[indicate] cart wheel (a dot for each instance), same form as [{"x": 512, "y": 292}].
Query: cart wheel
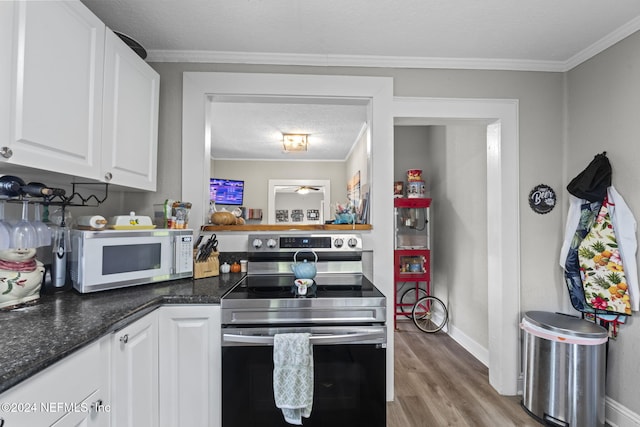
[
  {"x": 429, "y": 314},
  {"x": 409, "y": 298}
]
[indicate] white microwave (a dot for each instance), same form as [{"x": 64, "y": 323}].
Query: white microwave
[{"x": 111, "y": 259}]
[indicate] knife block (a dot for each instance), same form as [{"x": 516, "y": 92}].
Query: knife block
[{"x": 208, "y": 268}]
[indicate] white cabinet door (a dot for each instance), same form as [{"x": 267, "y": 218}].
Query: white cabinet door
[
  {"x": 130, "y": 120},
  {"x": 71, "y": 389},
  {"x": 190, "y": 366},
  {"x": 134, "y": 388},
  {"x": 58, "y": 59},
  {"x": 7, "y": 9}
]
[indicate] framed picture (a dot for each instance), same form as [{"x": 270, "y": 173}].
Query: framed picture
[
  {"x": 297, "y": 215},
  {"x": 353, "y": 188},
  {"x": 282, "y": 215}
]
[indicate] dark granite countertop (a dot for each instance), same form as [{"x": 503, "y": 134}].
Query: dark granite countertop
[{"x": 36, "y": 336}]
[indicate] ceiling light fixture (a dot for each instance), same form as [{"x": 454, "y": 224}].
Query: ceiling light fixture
[
  {"x": 302, "y": 190},
  {"x": 295, "y": 142}
]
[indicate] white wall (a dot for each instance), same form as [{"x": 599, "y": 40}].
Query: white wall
[{"x": 603, "y": 101}]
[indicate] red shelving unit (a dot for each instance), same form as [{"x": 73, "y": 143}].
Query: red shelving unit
[{"x": 412, "y": 253}]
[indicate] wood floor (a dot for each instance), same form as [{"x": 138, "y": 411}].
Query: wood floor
[{"x": 438, "y": 383}]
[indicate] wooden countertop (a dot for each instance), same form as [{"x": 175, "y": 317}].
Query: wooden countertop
[{"x": 288, "y": 227}]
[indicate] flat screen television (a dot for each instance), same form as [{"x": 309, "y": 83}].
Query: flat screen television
[{"x": 226, "y": 191}]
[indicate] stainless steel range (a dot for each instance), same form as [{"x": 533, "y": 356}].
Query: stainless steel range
[{"x": 342, "y": 310}]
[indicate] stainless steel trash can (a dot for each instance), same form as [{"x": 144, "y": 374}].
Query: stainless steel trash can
[{"x": 564, "y": 369}]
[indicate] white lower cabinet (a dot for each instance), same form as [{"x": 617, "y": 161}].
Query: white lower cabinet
[
  {"x": 85, "y": 416},
  {"x": 134, "y": 387},
  {"x": 72, "y": 392},
  {"x": 161, "y": 370},
  {"x": 190, "y": 366}
]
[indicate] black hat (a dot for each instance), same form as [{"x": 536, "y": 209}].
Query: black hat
[{"x": 591, "y": 184}]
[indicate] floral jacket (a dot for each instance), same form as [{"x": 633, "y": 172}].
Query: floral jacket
[{"x": 603, "y": 265}]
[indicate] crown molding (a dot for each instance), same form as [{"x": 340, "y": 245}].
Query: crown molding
[
  {"x": 199, "y": 56},
  {"x": 604, "y": 43},
  {"x": 318, "y": 60}
]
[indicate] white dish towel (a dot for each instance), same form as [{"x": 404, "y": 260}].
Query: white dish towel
[{"x": 293, "y": 376}]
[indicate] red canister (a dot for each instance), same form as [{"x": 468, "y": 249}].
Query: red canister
[{"x": 414, "y": 175}]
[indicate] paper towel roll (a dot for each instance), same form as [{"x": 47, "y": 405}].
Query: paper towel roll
[{"x": 92, "y": 221}]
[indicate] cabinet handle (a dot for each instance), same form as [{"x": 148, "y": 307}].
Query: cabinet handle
[
  {"x": 123, "y": 339},
  {"x": 5, "y": 152},
  {"x": 95, "y": 406},
  {"x": 108, "y": 176}
]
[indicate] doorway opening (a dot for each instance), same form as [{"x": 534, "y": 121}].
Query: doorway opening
[{"x": 503, "y": 265}]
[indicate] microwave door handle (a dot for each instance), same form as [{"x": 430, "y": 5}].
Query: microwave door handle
[
  {"x": 174, "y": 256},
  {"x": 313, "y": 339}
]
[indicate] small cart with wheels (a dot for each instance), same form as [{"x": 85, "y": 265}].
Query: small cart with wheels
[{"x": 412, "y": 264}]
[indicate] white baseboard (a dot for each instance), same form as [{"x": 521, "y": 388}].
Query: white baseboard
[
  {"x": 620, "y": 416},
  {"x": 479, "y": 352}
]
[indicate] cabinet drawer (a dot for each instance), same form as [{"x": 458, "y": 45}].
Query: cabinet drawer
[
  {"x": 84, "y": 415},
  {"x": 47, "y": 396}
]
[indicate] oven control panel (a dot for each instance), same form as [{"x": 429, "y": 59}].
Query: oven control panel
[{"x": 296, "y": 242}]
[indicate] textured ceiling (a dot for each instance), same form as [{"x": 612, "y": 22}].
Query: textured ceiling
[
  {"x": 540, "y": 35},
  {"x": 242, "y": 129},
  {"x": 549, "y": 34}
]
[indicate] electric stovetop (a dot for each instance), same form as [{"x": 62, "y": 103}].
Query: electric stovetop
[
  {"x": 332, "y": 298},
  {"x": 282, "y": 286}
]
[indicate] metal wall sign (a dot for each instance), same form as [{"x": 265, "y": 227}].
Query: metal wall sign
[{"x": 542, "y": 199}]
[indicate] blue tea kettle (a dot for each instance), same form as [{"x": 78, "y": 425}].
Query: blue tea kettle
[{"x": 304, "y": 269}]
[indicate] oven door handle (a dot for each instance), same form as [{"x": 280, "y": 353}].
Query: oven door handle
[{"x": 328, "y": 339}]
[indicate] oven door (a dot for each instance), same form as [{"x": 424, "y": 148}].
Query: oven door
[{"x": 349, "y": 376}]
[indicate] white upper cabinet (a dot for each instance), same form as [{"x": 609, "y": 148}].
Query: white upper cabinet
[
  {"x": 6, "y": 48},
  {"x": 58, "y": 57},
  {"x": 130, "y": 118},
  {"x": 75, "y": 99}
]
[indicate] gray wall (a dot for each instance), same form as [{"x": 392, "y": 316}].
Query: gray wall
[
  {"x": 454, "y": 163},
  {"x": 257, "y": 174},
  {"x": 541, "y": 120},
  {"x": 603, "y": 104},
  {"x": 459, "y": 184}
]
